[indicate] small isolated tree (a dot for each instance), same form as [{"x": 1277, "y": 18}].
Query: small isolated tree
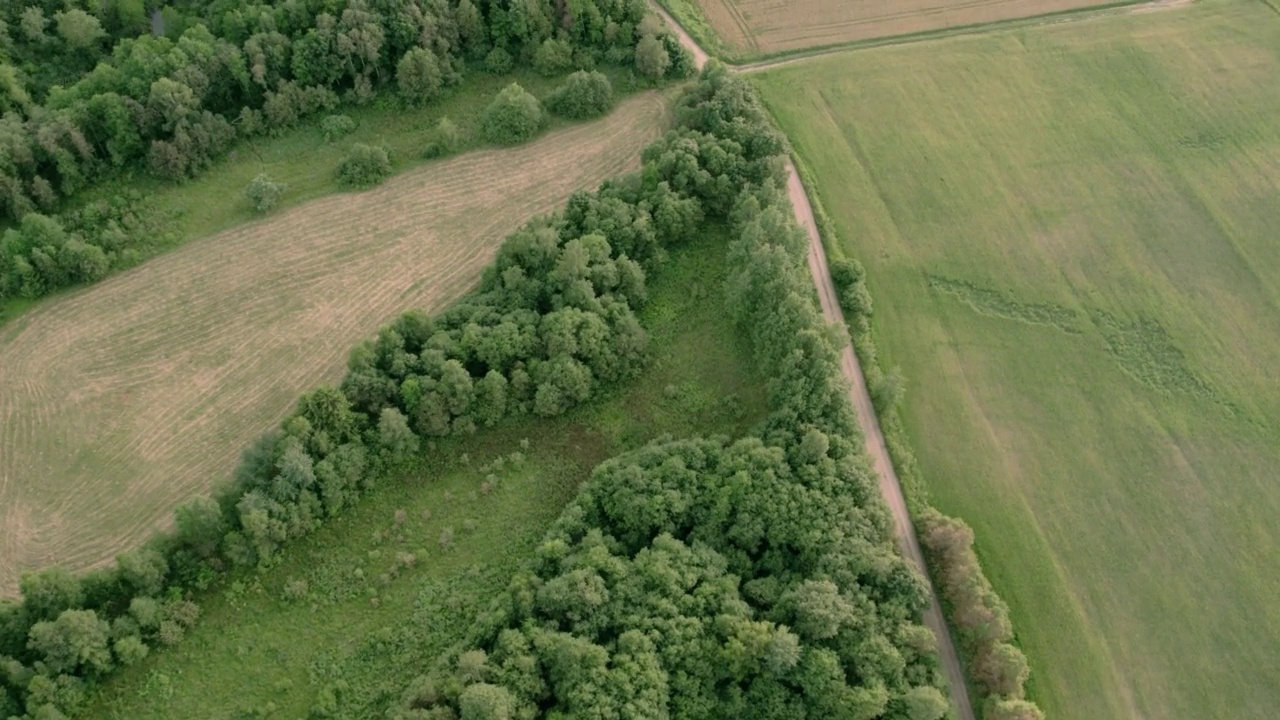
[
  {"x": 419, "y": 77},
  {"x": 444, "y": 139},
  {"x": 264, "y": 193},
  {"x": 334, "y": 127},
  {"x": 498, "y": 61},
  {"x": 513, "y": 117},
  {"x": 583, "y": 95},
  {"x": 364, "y": 166},
  {"x": 652, "y": 59},
  {"x": 553, "y": 57}
]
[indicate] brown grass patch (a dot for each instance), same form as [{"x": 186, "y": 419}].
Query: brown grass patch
[{"x": 121, "y": 401}]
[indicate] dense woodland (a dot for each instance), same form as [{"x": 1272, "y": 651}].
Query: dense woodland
[
  {"x": 92, "y": 90},
  {"x": 692, "y": 578}
]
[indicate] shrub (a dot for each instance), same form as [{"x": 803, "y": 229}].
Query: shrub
[
  {"x": 583, "y": 95},
  {"x": 444, "y": 140},
  {"x": 553, "y": 57},
  {"x": 364, "y": 166},
  {"x": 334, "y": 127},
  {"x": 513, "y": 117},
  {"x": 498, "y": 61},
  {"x": 264, "y": 193}
]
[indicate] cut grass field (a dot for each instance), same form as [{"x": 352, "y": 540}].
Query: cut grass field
[
  {"x": 747, "y": 29},
  {"x": 119, "y": 401},
  {"x": 1069, "y": 232},
  {"x": 699, "y": 381}
]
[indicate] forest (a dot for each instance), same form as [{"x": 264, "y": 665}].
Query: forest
[
  {"x": 95, "y": 93},
  {"x": 693, "y": 577}
]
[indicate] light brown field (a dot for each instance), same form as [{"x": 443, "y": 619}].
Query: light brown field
[
  {"x": 119, "y": 402},
  {"x": 757, "y": 27}
]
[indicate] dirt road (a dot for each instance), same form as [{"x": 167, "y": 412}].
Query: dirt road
[{"x": 890, "y": 488}]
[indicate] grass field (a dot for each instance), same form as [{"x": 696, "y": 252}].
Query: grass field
[
  {"x": 755, "y": 28},
  {"x": 1069, "y": 233},
  {"x": 699, "y": 382},
  {"x": 121, "y": 400}
]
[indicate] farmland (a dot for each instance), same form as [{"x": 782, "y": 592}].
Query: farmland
[
  {"x": 752, "y": 28},
  {"x": 699, "y": 380},
  {"x": 123, "y": 399},
  {"x": 1069, "y": 234}
]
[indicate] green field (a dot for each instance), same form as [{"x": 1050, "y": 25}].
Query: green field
[
  {"x": 699, "y": 381},
  {"x": 1069, "y": 232}
]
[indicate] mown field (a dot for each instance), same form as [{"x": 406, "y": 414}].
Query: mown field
[
  {"x": 121, "y": 400},
  {"x": 1069, "y": 232},
  {"x": 362, "y": 615},
  {"x": 754, "y": 28}
]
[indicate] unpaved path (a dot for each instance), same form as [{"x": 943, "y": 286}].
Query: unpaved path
[{"x": 890, "y": 488}]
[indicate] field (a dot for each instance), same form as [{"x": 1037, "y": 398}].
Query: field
[
  {"x": 754, "y": 28},
  {"x": 699, "y": 381},
  {"x": 1069, "y": 232},
  {"x": 121, "y": 400}
]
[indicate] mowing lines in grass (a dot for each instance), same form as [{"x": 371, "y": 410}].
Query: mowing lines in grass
[
  {"x": 122, "y": 400},
  {"x": 1069, "y": 232}
]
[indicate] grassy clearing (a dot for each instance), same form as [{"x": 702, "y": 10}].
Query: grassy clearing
[
  {"x": 699, "y": 382},
  {"x": 750, "y": 29},
  {"x": 302, "y": 159},
  {"x": 123, "y": 399},
  {"x": 1069, "y": 235}
]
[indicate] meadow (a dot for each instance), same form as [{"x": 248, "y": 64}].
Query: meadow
[
  {"x": 123, "y": 399},
  {"x": 748, "y": 29},
  {"x": 1069, "y": 235},
  {"x": 346, "y": 616}
]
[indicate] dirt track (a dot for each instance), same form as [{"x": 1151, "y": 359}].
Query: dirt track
[{"x": 890, "y": 488}]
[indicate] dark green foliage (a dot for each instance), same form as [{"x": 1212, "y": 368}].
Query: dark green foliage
[
  {"x": 513, "y": 117},
  {"x": 364, "y": 166},
  {"x": 553, "y": 57},
  {"x": 498, "y": 61},
  {"x": 419, "y": 77},
  {"x": 583, "y": 95}
]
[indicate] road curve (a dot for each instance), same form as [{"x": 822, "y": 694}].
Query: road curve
[{"x": 890, "y": 488}]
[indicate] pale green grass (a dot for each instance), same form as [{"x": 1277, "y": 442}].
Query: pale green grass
[{"x": 1070, "y": 234}]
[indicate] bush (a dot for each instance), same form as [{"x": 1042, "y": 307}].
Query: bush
[
  {"x": 444, "y": 140},
  {"x": 513, "y": 117},
  {"x": 498, "y": 62},
  {"x": 264, "y": 193},
  {"x": 418, "y": 76},
  {"x": 364, "y": 166},
  {"x": 553, "y": 57},
  {"x": 334, "y": 127},
  {"x": 583, "y": 95}
]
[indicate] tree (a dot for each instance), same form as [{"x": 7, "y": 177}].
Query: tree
[
  {"x": 1002, "y": 709},
  {"x": 397, "y": 440},
  {"x": 652, "y": 59},
  {"x": 925, "y": 703},
  {"x": 130, "y": 650},
  {"x": 487, "y": 702},
  {"x": 264, "y": 193},
  {"x": 79, "y": 29},
  {"x": 334, "y": 127},
  {"x": 553, "y": 57},
  {"x": 1002, "y": 670},
  {"x": 418, "y": 76},
  {"x": 888, "y": 390},
  {"x": 77, "y": 639},
  {"x": 364, "y": 166},
  {"x": 513, "y": 117},
  {"x": 444, "y": 139},
  {"x": 145, "y": 570},
  {"x": 46, "y": 594},
  {"x": 583, "y": 95},
  {"x": 32, "y": 24},
  {"x": 200, "y": 525},
  {"x": 498, "y": 61}
]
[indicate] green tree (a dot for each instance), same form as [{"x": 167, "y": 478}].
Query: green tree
[
  {"x": 334, "y": 127},
  {"x": 78, "y": 29},
  {"x": 498, "y": 61},
  {"x": 145, "y": 570},
  {"x": 32, "y": 24},
  {"x": 130, "y": 650},
  {"x": 652, "y": 59},
  {"x": 419, "y": 77},
  {"x": 553, "y": 57},
  {"x": 264, "y": 193},
  {"x": 47, "y": 593},
  {"x": 583, "y": 95},
  {"x": 925, "y": 703},
  {"x": 364, "y": 166},
  {"x": 397, "y": 440},
  {"x": 444, "y": 139},
  {"x": 77, "y": 639},
  {"x": 200, "y": 525},
  {"x": 1004, "y": 709},
  {"x": 513, "y": 117},
  {"x": 487, "y": 702}
]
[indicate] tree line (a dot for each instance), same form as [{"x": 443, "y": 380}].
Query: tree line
[
  {"x": 712, "y": 578},
  {"x": 84, "y": 97}
]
